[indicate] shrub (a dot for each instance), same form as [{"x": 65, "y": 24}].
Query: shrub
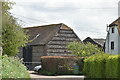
[
  {"x": 102, "y": 66},
  {"x": 112, "y": 66},
  {"x": 94, "y": 66},
  {"x": 82, "y": 50},
  {"x": 59, "y": 64},
  {"x": 12, "y": 68}
]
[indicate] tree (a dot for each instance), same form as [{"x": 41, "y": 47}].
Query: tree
[
  {"x": 0, "y": 28},
  {"x": 81, "y": 49},
  {"x": 13, "y": 36}
]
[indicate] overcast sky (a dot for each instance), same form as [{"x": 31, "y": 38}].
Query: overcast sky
[{"x": 88, "y": 18}]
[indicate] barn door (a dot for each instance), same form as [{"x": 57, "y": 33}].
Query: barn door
[{"x": 27, "y": 54}]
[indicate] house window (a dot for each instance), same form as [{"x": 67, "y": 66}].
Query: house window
[
  {"x": 112, "y": 45},
  {"x": 112, "y": 30}
]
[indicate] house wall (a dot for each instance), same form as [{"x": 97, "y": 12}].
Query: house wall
[
  {"x": 58, "y": 45},
  {"x": 112, "y": 37},
  {"x": 37, "y": 52},
  {"x": 119, "y": 45},
  {"x": 107, "y": 44}
]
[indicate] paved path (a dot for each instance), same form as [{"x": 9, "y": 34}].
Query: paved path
[{"x": 35, "y": 76}]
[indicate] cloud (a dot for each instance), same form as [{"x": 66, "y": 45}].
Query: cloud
[{"x": 86, "y": 17}]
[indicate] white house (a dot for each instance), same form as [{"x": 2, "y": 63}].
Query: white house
[{"x": 112, "y": 43}]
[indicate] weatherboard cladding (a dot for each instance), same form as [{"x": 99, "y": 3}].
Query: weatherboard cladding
[
  {"x": 53, "y": 38},
  {"x": 57, "y": 46}
]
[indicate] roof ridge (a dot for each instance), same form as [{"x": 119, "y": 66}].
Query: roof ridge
[
  {"x": 98, "y": 38},
  {"x": 44, "y": 25},
  {"x": 115, "y": 21},
  {"x": 94, "y": 40},
  {"x": 97, "y": 42}
]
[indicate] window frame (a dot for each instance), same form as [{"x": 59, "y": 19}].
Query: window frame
[
  {"x": 112, "y": 30},
  {"x": 112, "y": 45}
]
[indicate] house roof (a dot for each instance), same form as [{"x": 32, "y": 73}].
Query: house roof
[
  {"x": 116, "y": 23},
  {"x": 99, "y": 41},
  {"x": 40, "y": 35}
]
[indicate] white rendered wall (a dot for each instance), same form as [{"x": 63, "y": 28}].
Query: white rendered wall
[
  {"x": 112, "y": 37},
  {"x": 119, "y": 45}
]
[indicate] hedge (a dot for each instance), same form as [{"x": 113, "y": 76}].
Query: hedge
[
  {"x": 12, "y": 68},
  {"x": 112, "y": 66},
  {"x": 102, "y": 66},
  {"x": 94, "y": 66},
  {"x": 57, "y": 65}
]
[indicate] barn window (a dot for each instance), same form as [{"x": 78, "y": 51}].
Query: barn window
[
  {"x": 112, "y": 45},
  {"x": 112, "y": 30}
]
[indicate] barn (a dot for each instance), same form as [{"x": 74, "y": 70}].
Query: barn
[
  {"x": 47, "y": 40},
  {"x": 98, "y": 41}
]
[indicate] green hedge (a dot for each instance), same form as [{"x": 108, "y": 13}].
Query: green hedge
[
  {"x": 112, "y": 66},
  {"x": 12, "y": 68},
  {"x": 94, "y": 66},
  {"x": 102, "y": 66}
]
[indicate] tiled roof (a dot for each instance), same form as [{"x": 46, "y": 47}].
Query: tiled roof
[
  {"x": 40, "y": 35},
  {"x": 98, "y": 41},
  {"x": 116, "y": 23}
]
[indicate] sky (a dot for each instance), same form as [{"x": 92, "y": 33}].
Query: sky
[{"x": 88, "y": 18}]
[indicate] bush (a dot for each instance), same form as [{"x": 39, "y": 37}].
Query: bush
[
  {"x": 94, "y": 66},
  {"x": 59, "y": 64},
  {"x": 82, "y": 50},
  {"x": 112, "y": 66},
  {"x": 12, "y": 68},
  {"x": 102, "y": 66}
]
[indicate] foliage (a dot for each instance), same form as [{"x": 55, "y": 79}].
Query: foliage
[
  {"x": 94, "y": 65},
  {"x": 81, "y": 49},
  {"x": 12, "y": 68},
  {"x": 13, "y": 36},
  {"x": 0, "y": 67},
  {"x": 112, "y": 66},
  {"x": 102, "y": 66},
  {"x": 59, "y": 64}
]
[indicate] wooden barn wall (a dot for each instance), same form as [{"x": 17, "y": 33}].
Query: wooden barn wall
[
  {"x": 57, "y": 46},
  {"x": 37, "y": 52}
]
